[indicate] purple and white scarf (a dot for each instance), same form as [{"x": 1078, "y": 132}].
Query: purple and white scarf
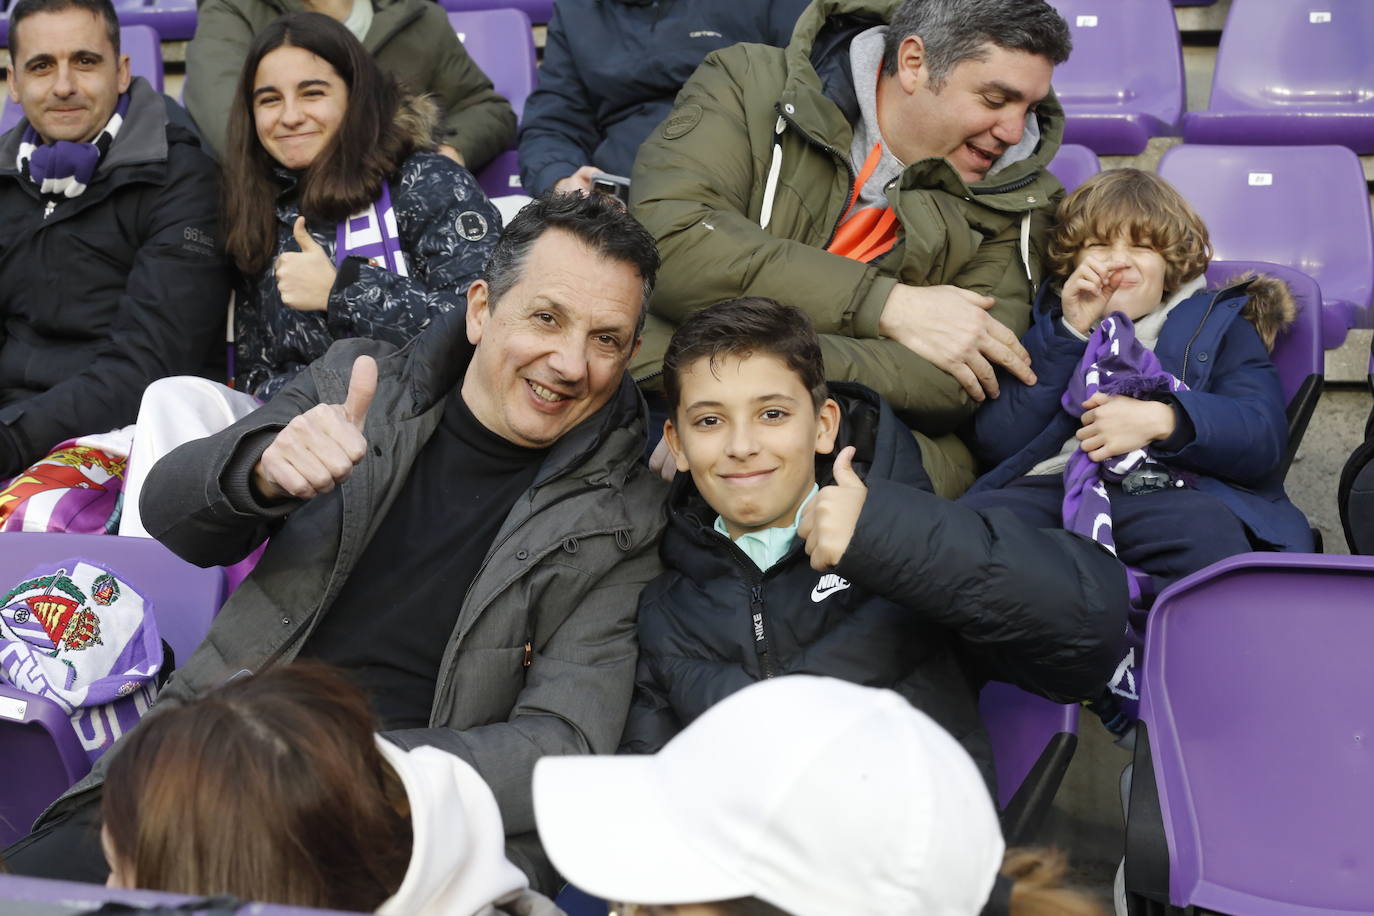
[
  {"x": 1115, "y": 362},
  {"x": 372, "y": 235},
  {"x": 64, "y": 169},
  {"x": 78, "y": 634}
]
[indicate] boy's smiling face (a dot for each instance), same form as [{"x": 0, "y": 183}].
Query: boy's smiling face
[{"x": 746, "y": 430}]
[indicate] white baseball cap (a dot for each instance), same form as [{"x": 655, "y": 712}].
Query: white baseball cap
[{"x": 813, "y": 794}]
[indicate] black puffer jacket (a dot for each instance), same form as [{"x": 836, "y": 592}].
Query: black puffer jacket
[
  {"x": 114, "y": 289},
  {"x": 931, "y": 599},
  {"x": 447, "y": 228}
]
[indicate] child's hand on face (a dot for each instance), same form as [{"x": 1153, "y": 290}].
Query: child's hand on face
[
  {"x": 1089, "y": 289},
  {"x": 1115, "y": 425},
  {"x": 827, "y": 524}
]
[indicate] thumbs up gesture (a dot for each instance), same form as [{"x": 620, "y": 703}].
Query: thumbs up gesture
[
  {"x": 305, "y": 278},
  {"x": 318, "y": 449},
  {"x": 827, "y": 524}
]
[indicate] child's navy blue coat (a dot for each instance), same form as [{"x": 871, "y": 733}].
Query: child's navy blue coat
[{"x": 1232, "y": 429}]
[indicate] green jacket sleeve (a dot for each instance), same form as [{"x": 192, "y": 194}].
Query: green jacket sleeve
[
  {"x": 695, "y": 193},
  {"x": 478, "y": 122},
  {"x": 213, "y": 62}
]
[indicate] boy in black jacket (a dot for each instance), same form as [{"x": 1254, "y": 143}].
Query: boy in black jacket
[{"x": 781, "y": 560}]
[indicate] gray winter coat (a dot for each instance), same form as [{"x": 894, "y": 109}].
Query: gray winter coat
[{"x": 564, "y": 573}]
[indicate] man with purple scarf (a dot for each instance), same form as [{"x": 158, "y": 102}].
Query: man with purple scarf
[{"x": 111, "y": 271}]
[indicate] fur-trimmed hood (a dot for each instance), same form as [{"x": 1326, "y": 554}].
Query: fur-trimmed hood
[
  {"x": 418, "y": 116},
  {"x": 1271, "y": 308}
]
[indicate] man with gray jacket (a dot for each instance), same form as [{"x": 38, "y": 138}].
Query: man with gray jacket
[{"x": 463, "y": 525}]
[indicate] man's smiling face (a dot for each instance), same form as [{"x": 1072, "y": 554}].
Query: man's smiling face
[
  {"x": 66, "y": 73},
  {"x": 972, "y": 118},
  {"x": 553, "y": 350}
]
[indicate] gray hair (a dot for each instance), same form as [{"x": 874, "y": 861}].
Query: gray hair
[
  {"x": 599, "y": 221},
  {"x": 954, "y": 31}
]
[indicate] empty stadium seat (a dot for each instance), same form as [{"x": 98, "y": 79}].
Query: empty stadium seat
[
  {"x": 1292, "y": 72},
  {"x": 1254, "y": 777},
  {"x": 538, "y": 11},
  {"x": 1298, "y": 351},
  {"x": 1123, "y": 84},
  {"x": 140, "y": 42},
  {"x": 1033, "y": 740},
  {"x": 144, "y": 47},
  {"x": 1074, "y": 164},
  {"x": 42, "y": 755},
  {"x": 500, "y": 42},
  {"x": 1306, "y": 207},
  {"x": 174, "y": 20}
]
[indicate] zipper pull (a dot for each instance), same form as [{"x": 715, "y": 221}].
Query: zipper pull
[
  {"x": 529, "y": 655},
  {"x": 760, "y": 631},
  {"x": 48, "y": 208}
]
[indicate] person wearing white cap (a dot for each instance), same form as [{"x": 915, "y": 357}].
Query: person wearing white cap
[{"x": 798, "y": 795}]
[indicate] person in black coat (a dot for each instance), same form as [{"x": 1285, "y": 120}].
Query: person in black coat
[
  {"x": 781, "y": 560},
  {"x": 112, "y": 273}
]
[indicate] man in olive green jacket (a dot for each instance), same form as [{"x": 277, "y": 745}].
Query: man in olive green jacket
[
  {"x": 410, "y": 39},
  {"x": 946, "y": 118}
]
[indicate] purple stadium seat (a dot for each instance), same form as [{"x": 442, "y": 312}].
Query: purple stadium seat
[
  {"x": 1292, "y": 72},
  {"x": 1123, "y": 84},
  {"x": 1298, "y": 351},
  {"x": 38, "y": 743},
  {"x": 500, "y": 42},
  {"x": 1253, "y": 776},
  {"x": 538, "y": 11},
  {"x": 1306, "y": 207},
  {"x": 1033, "y": 740},
  {"x": 174, "y": 20},
  {"x": 68, "y": 898},
  {"x": 144, "y": 48},
  {"x": 1074, "y": 164}
]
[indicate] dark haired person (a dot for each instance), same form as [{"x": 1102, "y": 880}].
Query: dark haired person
[
  {"x": 111, "y": 269},
  {"x": 477, "y": 572},
  {"x": 803, "y": 538},
  {"x": 338, "y": 818},
  {"x": 885, "y": 173},
  {"x": 410, "y": 39},
  {"x": 341, "y": 219},
  {"x": 393, "y": 232}
]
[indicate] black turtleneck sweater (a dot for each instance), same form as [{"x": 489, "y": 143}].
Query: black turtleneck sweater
[{"x": 393, "y": 619}]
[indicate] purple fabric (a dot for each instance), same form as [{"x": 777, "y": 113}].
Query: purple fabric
[
  {"x": 372, "y": 235},
  {"x": 1114, "y": 362},
  {"x": 55, "y": 166}
]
